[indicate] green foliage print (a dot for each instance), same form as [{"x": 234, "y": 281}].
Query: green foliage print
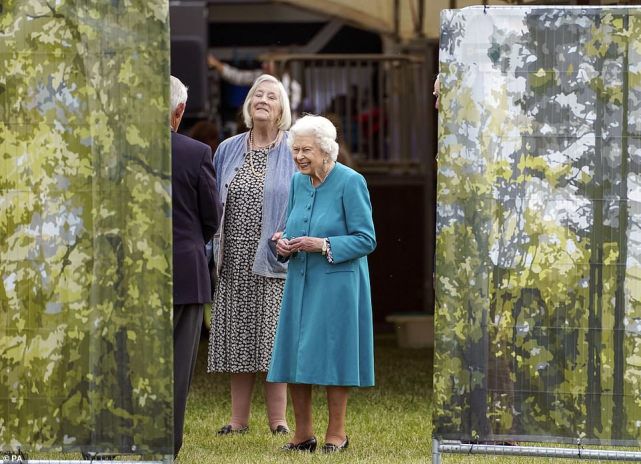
[
  {"x": 85, "y": 226},
  {"x": 539, "y": 225}
]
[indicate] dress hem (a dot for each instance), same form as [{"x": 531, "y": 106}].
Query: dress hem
[
  {"x": 321, "y": 383},
  {"x": 229, "y": 371}
]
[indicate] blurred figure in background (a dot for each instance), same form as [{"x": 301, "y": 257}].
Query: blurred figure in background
[
  {"x": 207, "y": 133},
  {"x": 344, "y": 155},
  {"x": 247, "y": 77}
]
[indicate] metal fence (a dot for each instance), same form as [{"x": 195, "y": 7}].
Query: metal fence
[
  {"x": 166, "y": 460},
  {"x": 378, "y": 103},
  {"x": 438, "y": 448}
]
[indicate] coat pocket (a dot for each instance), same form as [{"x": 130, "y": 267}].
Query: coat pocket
[{"x": 347, "y": 266}]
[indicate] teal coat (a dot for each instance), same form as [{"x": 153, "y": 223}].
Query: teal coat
[{"x": 325, "y": 334}]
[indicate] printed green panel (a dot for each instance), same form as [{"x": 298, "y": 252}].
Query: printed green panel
[
  {"x": 538, "y": 320},
  {"x": 85, "y": 226}
]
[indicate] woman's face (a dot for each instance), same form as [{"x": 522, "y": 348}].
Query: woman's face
[
  {"x": 307, "y": 155},
  {"x": 265, "y": 103}
]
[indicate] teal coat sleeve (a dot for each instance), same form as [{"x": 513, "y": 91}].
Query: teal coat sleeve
[{"x": 360, "y": 239}]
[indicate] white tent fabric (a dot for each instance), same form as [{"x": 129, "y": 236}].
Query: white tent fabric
[{"x": 378, "y": 15}]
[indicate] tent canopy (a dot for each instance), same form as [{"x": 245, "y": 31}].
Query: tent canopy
[{"x": 380, "y": 15}]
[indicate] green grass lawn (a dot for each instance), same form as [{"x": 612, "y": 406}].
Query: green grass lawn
[{"x": 389, "y": 423}]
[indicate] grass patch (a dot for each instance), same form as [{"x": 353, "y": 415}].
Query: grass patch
[{"x": 389, "y": 423}]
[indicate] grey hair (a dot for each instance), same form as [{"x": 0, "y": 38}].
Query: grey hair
[
  {"x": 177, "y": 93},
  {"x": 321, "y": 128},
  {"x": 285, "y": 119}
]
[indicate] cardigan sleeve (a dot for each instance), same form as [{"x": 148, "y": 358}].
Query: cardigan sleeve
[
  {"x": 208, "y": 198},
  {"x": 361, "y": 238},
  {"x": 290, "y": 203},
  {"x": 218, "y": 160}
]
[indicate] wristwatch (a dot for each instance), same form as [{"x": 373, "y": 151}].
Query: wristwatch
[{"x": 324, "y": 248}]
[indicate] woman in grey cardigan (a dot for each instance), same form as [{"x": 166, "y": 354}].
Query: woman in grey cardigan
[{"x": 254, "y": 172}]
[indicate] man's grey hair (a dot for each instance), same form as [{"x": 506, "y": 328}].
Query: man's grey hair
[
  {"x": 285, "y": 119},
  {"x": 177, "y": 93},
  {"x": 321, "y": 128}
]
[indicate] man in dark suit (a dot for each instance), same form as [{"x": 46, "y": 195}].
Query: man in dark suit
[{"x": 196, "y": 212}]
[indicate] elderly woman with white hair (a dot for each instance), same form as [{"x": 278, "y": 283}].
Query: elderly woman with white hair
[
  {"x": 254, "y": 172},
  {"x": 325, "y": 334}
]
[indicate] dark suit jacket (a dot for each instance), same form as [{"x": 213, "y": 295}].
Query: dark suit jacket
[{"x": 196, "y": 215}]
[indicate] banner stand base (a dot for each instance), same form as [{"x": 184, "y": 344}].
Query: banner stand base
[
  {"x": 456, "y": 447},
  {"x": 168, "y": 459}
]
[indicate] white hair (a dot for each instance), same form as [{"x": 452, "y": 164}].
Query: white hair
[
  {"x": 177, "y": 93},
  {"x": 321, "y": 128},
  {"x": 285, "y": 119}
]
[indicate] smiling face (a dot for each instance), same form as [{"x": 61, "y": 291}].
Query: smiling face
[
  {"x": 265, "y": 103},
  {"x": 308, "y": 156}
]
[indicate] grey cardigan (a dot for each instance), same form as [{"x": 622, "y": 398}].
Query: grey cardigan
[{"x": 229, "y": 157}]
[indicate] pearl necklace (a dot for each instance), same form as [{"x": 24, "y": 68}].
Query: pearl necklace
[
  {"x": 269, "y": 145},
  {"x": 253, "y": 148}
]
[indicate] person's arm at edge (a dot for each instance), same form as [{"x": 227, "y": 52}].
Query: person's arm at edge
[
  {"x": 233, "y": 75},
  {"x": 240, "y": 76}
]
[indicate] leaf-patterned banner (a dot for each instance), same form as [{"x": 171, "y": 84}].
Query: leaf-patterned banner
[
  {"x": 538, "y": 268},
  {"x": 85, "y": 226}
]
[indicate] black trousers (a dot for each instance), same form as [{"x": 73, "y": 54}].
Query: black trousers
[{"x": 188, "y": 320}]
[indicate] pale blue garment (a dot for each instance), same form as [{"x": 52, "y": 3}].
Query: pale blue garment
[
  {"x": 228, "y": 159},
  {"x": 325, "y": 333}
]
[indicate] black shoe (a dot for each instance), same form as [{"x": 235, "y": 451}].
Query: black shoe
[
  {"x": 226, "y": 430},
  {"x": 307, "y": 445},
  {"x": 332, "y": 448},
  {"x": 280, "y": 430}
]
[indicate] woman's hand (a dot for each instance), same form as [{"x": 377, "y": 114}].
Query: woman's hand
[
  {"x": 283, "y": 247},
  {"x": 308, "y": 244}
]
